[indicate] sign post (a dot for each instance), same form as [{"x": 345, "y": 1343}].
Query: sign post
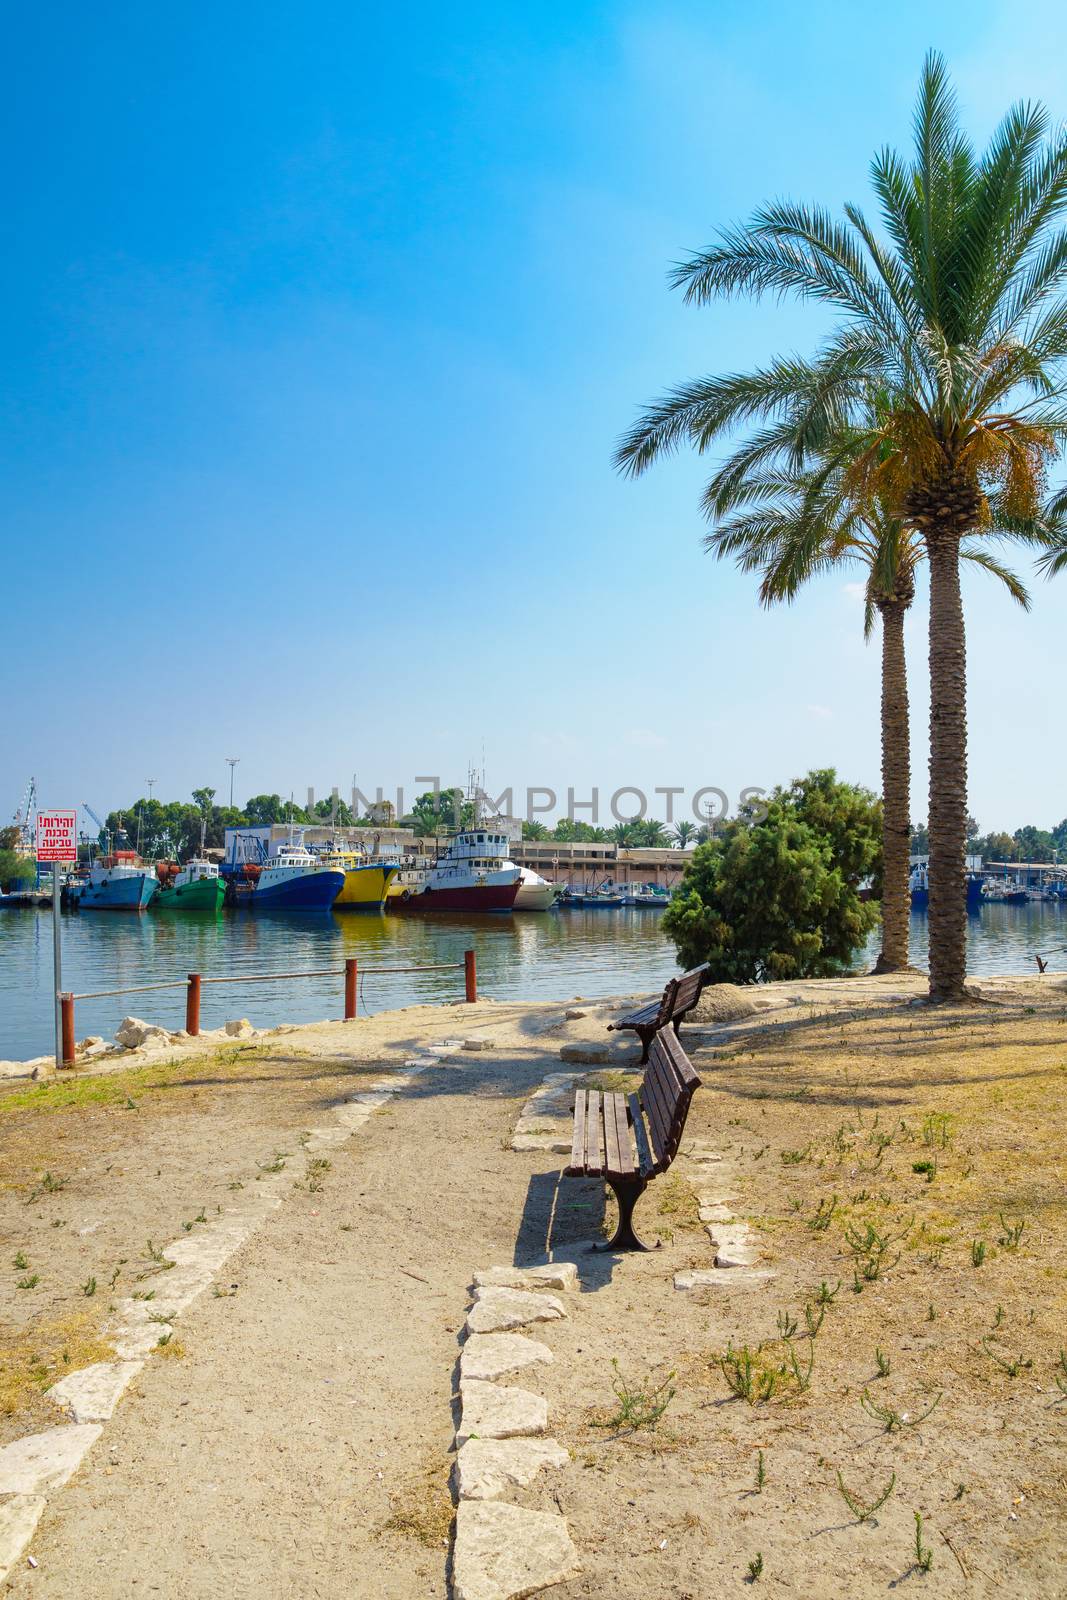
[{"x": 57, "y": 844}]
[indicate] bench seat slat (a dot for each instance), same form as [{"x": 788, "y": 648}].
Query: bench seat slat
[
  {"x": 625, "y": 1160},
  {"x": 594, "y": 1159},
  {"x": 612, "y": 1157},
  {"x": 578, "y": 1141}
]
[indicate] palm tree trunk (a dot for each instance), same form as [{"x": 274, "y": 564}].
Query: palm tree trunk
[
  {"x": 896, "y": 791},
  {"x": 948, "y": 767}
]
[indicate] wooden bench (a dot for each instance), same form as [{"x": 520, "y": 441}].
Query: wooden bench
[
  {"x": 676, "y": 1002},
  {"x": 630, "y": 1139}
]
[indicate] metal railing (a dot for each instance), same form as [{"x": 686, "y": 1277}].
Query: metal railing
[{"x": 193, "y": 983}]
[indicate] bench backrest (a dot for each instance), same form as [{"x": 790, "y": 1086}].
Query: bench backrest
[
  {"x": 666, "y": 1005},
  {"x": 666, "y": 1091},
  {"x": 688, "y": 987}
]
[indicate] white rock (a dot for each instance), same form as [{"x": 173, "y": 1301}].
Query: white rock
[
  {"x": 716, "y": 1213},
  {"x": 553, "y": 1143},
  {"x": 240, "y": 1028},
  {"x": 87, "y": 1043},
  {"x": 133, "y": 1033},
  {"x": 548, "y": 1275},
  {"x": 490, "y": 1355},
  {"x": 92, "y": 1393},
  {"x": 736, "y": 1278},
  {"x": 574, "y": 1014},
  {"x": 485, "y": 1468},
  {"x": 499, "y": 1411},
  {"x": 19, "y": 1517},
  {"x": 44, "y": 1461},
  {"x": 497, "y": 1310},
  {"x": 504, "y": 1552},
  {"x": 592, "y": 1055},
  {"x": 478, "y": 1044}
]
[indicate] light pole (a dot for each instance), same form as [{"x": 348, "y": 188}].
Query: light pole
[
  {"x": 151, "y": 782},
  {"x": 231, "y": 762}
]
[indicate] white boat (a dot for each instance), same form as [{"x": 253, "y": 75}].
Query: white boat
[
  {"x": 472, "y": 874},
  {"x": 535, "y": 893}
]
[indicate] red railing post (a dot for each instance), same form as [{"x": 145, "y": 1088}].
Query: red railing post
[
  {"x": 351, "y": 974},
  {"x": 470, "y": 975},
  {"x": 66, "y": 1004},
  {"x": 192, "y": 1005}
]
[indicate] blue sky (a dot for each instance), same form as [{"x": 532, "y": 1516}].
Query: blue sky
[{"x": 320, "y": 324}]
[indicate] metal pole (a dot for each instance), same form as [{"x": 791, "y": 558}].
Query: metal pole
[
  {"x": 67, "y": 1003},
  {"x": 192, "y": 1005},
  {"x": 470, "y": 976},
  {"x": 351, "y": 978},
  {"x": 57, "y": 962}
]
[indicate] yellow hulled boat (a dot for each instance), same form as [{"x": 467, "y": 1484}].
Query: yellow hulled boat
[{"x": 366, "y": 882}]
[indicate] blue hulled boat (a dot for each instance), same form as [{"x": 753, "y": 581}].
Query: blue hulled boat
[
  {"x": 294, "y": 880},
  {"x": 920, "y": 890},
  {"x": 119, "y": 882}
]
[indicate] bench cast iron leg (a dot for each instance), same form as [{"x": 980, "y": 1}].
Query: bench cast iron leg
[
  {"x": 627, "y": 1195},
  {"x": 646, "y": 1036}
]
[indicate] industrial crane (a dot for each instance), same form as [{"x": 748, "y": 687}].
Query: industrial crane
[
  {"x": 26, "y": 818},
  {"x": 102, "y": 836}
]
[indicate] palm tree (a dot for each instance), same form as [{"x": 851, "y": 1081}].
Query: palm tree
[
  {"x": 793, "y": 525},
  {"x": 652, "y": 833},
  {"x": 682, "y": 832},
  {"x": 955, "y": 316}
]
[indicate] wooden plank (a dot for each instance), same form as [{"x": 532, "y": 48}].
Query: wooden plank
[
  {"x": 680, "y": 1062},
  {"x": 578, "y": 1142},
  {"x": 646, "y": 1165},
  {"x": 611, "y": 1137},
  {"x": 658, "y": 1122},
  {"x": 594, "y": 1159},
  {"x": 637, "y": 1019},
  {"x": 622, "y": 1136},
  {"x": 665, "y": 1010}
]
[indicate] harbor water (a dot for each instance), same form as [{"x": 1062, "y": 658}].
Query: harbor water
[{"x": 553, "y": 955}]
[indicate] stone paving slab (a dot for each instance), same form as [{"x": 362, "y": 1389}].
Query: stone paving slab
[
  {"x": 724, "y": 1278},
  {"x": 499, "y": 1411},
  {"x": 19, "y": 1516},
  {"x": 498, "y": 1310},
  {"x": 561, "y": 1275},
  {"x": 485, "y": 1468},
  {"x": 491, "y": 1355},
  {"x": 503, "y": 1552},
  {"x": 44, "y": 1461},
  {"x": 92, "y": 1393}
]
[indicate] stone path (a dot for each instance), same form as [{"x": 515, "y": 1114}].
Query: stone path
[
  {"x": 505, "y": 1551},
  {"x": 713, "y": 1176},
  {"x": 272, "y": 1456}
]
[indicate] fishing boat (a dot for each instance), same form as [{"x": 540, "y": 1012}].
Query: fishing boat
[
  {"x": 920, "y": 890},
  {"x": 472, "y": 874},
  {"x": 366, "y": 882},
  {"x": 196, "y": 886},
  {"x": 294, "y": 880},
  {"x": 535, "y": 893},
  {"x": 117, "y": 882}
]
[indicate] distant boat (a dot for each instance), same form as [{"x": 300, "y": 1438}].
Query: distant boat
[
  {"x": 367, "y": 882},
  {"x": 293, "y": 880},
  {"x": 535, "y": 893},
  {"x": 920, "y": 890},
  {"x": 118, "y": 882},
  {"x": 196, "y": 886},
  {"x": 472, "y": 874}
]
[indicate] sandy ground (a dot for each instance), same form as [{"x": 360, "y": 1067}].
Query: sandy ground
[{"x": 298, "y": 1439}]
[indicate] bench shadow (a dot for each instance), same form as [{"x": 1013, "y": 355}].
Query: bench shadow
[{"x": 561, "y": 1217}]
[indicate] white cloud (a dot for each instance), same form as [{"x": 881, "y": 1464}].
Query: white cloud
[
  {"x": 822, "y": 712},
  {"x": 854, "y": 591}
]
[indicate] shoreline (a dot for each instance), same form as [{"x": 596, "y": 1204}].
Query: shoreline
[{"x": 97, "y": 1055}]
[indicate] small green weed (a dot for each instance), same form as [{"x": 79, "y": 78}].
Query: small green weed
[
  {"x": 862, "y": 1512},
  {"x": 924, "y": 1556},
  {"x": 642, "y": 1404}
]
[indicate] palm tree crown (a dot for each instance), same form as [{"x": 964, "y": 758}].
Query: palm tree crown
[{"x": 937, "y": 398}]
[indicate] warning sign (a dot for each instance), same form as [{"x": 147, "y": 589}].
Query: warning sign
[{"x": 56, "y": 836}]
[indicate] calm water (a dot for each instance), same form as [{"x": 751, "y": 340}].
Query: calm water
[{"x": 551, "y": 956}]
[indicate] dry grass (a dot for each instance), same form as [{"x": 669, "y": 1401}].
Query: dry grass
[
  {"x": 421, "y": 1506},
  {"x": 33, "y": 1359}
]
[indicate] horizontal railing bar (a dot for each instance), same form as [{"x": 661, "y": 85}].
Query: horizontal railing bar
[
  {"x": 266, "y": 977},
  {"x": 141, "y": 988}
]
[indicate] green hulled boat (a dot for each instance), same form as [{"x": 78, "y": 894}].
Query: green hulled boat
[{"x": 197, "y": 887}]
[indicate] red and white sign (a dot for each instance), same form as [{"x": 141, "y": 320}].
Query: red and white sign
[{"x": 57, "y": 836}]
